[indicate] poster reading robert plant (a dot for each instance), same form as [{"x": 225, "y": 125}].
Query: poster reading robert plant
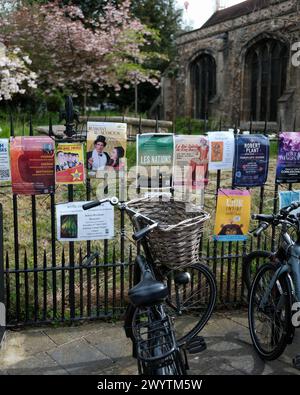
[
  {"x": 251, "y": 160},
  {"x": 288, "y": 163}
]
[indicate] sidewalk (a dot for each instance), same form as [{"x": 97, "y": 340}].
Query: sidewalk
[{"x": 102, "y": 348}]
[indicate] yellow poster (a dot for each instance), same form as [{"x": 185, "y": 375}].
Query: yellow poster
[{"x": 233, "y": 215}]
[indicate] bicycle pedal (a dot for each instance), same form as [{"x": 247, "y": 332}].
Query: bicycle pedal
[
  {"x": 196, "y": 345},
  {"x": 296, "y": 362},
  {"x": 197, "y": 339}
]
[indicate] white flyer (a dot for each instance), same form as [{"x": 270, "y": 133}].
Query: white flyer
[
  {"x": 4, "y": 160},
  {"x": 74, "y": 223},
  {"x": 221, "y": 150}
]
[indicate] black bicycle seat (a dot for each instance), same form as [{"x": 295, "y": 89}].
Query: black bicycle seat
[{"x": 148, "y": 291}]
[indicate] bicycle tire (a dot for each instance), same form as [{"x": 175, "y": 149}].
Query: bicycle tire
[
  {"x": 282, "y": 316},
  {"x": 176, "y": 367},
  {"x": 204, "y": 276},
  {"x": 251, "y": 264},
  {"x": 157, "y": 351}
]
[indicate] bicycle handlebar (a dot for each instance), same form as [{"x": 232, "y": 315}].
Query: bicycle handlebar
[
  {"x": 262, "y": 226},
  {"x": 143, "y": 232},
  {"x": 95, "y": 203},
  {"x": 286, "y": 210},
  {"x": 267, "y": 220},
  {"x": 263, "y": 217}
]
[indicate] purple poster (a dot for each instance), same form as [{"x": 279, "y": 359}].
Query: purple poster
[
  {"x": 288, "y": 163},
  {"x": 251, "y": 160}
]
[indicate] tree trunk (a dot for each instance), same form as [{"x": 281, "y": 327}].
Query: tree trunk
[{"x": 84, "y": 102}]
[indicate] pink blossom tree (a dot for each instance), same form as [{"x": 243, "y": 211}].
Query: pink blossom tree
[
  {"x": 72, "y": 53},
  {"x": 15, "y": 75}
]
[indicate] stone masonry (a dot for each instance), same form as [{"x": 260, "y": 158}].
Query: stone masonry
[{"x": 227, "y": 37}]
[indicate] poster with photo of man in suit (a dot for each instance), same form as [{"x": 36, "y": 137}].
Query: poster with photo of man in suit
[{"x": 106, "y": 147}]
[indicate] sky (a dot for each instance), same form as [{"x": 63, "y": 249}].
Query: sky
[{"x": 200, "y": 10}]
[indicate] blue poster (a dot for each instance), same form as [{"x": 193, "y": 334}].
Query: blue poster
[
  {"x": 251, "y": 161},
  {"x": 286, "y": 198}
]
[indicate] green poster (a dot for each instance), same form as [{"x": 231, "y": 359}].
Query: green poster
[{"x": 155, "y": 158}]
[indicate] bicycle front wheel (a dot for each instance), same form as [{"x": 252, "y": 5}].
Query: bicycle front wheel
[
  {"x": 269, "y": 313},
  {"x": 192, "y": 298},
  {"x": 251, "y": 264}
]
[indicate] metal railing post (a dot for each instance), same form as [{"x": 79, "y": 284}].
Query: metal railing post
[{"x": 2, "y": 282}]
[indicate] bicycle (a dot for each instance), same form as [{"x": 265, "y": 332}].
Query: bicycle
[
  {"x": 255, "y": 259},
  {"x": 276, "y": 287},
  {"x": 160, "y": 302}
]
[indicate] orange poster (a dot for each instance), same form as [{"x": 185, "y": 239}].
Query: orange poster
[{"x": 217, "y": 148}]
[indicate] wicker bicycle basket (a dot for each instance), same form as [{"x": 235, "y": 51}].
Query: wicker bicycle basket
[{"x": 175, "y": 242}]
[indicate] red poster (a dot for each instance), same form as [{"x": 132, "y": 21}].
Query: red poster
[{"x": 32, "y": 165}]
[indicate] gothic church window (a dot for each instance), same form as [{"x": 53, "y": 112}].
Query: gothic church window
[
  {"x": 203, "y": 82},
  {"x": 266, "y": 66}
]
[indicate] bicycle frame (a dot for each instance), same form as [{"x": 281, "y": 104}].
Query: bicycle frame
[{"x": 291, "y": 268}]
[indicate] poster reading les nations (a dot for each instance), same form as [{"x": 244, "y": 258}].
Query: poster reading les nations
[
  {"x": 32, "y": 165},
  {"x": 155, "y": 159}
]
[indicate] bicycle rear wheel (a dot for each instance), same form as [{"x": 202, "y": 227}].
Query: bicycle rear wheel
[
  {"x": 269, "y": 321},
  {"x": 157, "y": 350},
  {"x": 192, "y": 298}
]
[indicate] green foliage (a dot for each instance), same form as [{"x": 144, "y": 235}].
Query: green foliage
[
  {"x": 194, "y": 126},
  {"x": 162, "y": 16},
  {"x": 131, "y": 155},
  {"x": 54, "y": 102}
]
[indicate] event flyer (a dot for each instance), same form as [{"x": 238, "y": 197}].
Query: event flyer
[
  {"x": 73, "y": 223},
  {"x": 106, "y": 147},
  {"x": 191, "y": 162},
  {"x": 4, "y": 160},
  {"x": 155, "y": 157},
  {"x": 69, "y": 163},
  {"x": 233, "y": 215},
  {"x": 288, "y": 163},
  {"x": 32, "y": 165},
  {"x": 221, "y": 150},
  {"x": 251, "y": 160},
  {"x": 286, "y": 198}
]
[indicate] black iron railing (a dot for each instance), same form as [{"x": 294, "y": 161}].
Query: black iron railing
[{"x": 43, "y": 280}]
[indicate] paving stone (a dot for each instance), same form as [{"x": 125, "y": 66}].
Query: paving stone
[
  {"x": 112, "y": 342},
  {"x": 30, "y": 342},
  {"x": 21, "y": 345},
  {"x": 39, "y": 364},
  {"x": 221, "y": 369},
  {"x": 225, "y": 346},
  {"x": 102, "y": 348},
  {"x": 67, "y": 334},
  {"x": 117, "y": 369},
  {"x": 80, "y": 357}
]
